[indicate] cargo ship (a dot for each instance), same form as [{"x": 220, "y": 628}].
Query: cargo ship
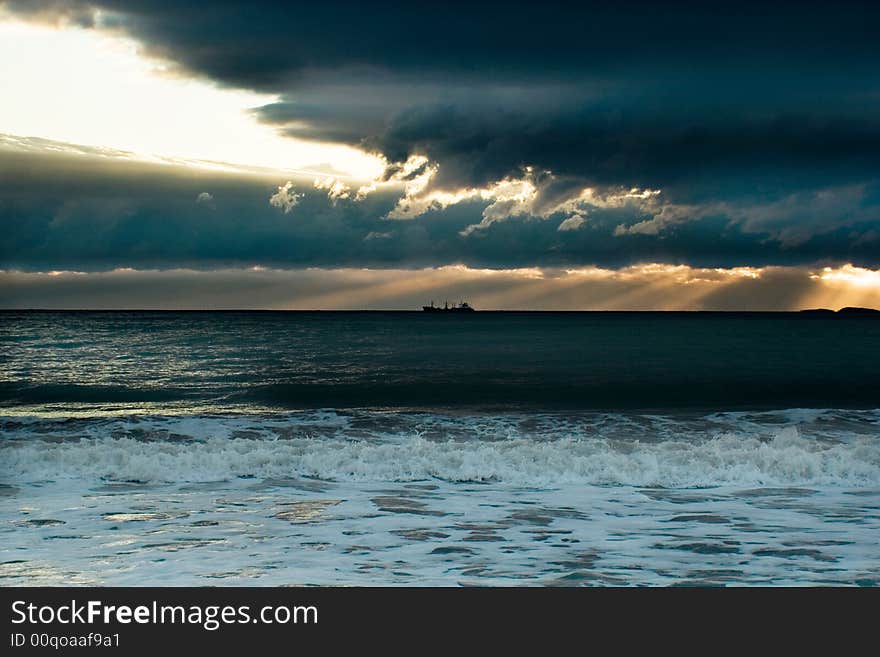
[{"x": 463, "y": 307}]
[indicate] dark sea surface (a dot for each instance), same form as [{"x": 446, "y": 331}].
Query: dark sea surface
[
  {"x": 407, "y": 448},
  {"x": 295, "y": 360}
]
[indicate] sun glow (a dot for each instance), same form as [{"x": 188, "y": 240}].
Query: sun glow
[
  {"x": 94, "y": 88},
  {"x": 850, "y": 275},
  {"x": 648, "y": 286}
]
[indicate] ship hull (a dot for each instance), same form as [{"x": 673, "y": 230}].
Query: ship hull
[{"x": 432, "y": 309}]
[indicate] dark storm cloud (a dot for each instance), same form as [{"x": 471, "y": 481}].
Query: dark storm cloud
[
  {"x": 696, "y": 157},
  {"x": 95, "y": 212},
  {"x": 266, "y": 44},
  {"x": 760, "y": 123},
  {"x": 59, "y": 12}
]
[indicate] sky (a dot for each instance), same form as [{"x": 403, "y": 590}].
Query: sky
[{"x": 625, "y": 156}]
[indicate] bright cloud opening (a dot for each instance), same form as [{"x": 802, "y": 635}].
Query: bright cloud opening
[
  {"x": 850, "y": 275},
  {"x": 93, "y": 88}
]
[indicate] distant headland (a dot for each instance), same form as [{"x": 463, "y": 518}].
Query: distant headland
[{"x": 849, "y": 310}]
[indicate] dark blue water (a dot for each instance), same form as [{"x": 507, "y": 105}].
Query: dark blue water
[
  {"x": 268, "y": 448},
  {"x": 292, "y": 360}
]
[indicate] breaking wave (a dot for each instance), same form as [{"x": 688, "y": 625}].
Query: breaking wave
[{"x": 330, "y": 448}]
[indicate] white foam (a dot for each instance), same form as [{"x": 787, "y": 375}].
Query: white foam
[
  {"x": 785, "y": 459},
  {"x": 787, "y": 497}
]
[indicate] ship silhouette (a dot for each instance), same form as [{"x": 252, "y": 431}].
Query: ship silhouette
[{"x": 463, "y": 307}]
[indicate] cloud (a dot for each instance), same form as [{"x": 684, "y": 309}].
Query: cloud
[
  {"x": 530, "y": 194},
  {"x": 590, "y": 37},
  {"x": 739, "y": 161},
  {"x": 667, "y": 216},
  {"x": 336, "y": 189},
  {"x": 54, "y": 12},
  {"x": 791, "y": 220},
  {"x": 796, "y": 218},
  {"x": 670, "y": 98},
  {"x": 67, "y": 209},
  {"x": 573, "y": 222},
  {"x": 285, "y": 198},
  {"x": 676, "y": 140},
  {"x": 641, "y": 287}
]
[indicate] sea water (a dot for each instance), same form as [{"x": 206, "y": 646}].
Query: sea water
[{"x": 410, "y": 449}]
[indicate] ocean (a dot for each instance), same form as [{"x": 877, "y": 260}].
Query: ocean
[{"x": 394, "y": 448}]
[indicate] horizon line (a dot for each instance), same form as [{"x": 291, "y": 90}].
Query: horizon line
[{"x": 841, "y": 310}]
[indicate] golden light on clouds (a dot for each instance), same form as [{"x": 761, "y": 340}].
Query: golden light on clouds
[
  {"x": 850, "y": 276},
  {"x": 649, "y": 286},
  {"x": 846, "y": 286},
  {"x": 678, "y": 273},
  {"x": 94, "y": 88}
]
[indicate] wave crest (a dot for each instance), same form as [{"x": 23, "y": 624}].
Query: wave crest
[{"x": 785, "y": 459}]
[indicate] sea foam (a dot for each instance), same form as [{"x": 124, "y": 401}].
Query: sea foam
[
  {"x": 390, "y": 498},
  {"x": 784, "y": 458}
]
